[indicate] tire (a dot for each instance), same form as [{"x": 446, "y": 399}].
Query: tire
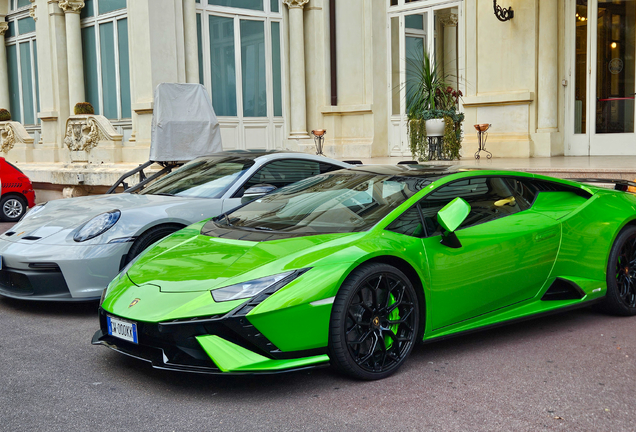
[
  {"x": 151, "y": 236},
  {"x": 621, "y": 275},
  {"x": 374, "y": 322},
  {"x": 12, "y": 208}
]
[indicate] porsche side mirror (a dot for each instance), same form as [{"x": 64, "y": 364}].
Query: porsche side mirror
[
  {"x": 257, "y": 191},
  {"x": 450, "y": 217}
]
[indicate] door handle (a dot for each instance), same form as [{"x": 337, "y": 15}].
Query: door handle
[{"x": 545, "y": 235}]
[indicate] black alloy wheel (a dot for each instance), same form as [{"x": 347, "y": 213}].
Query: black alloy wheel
[
  {"x": 621, "y": 275},
  {"x": 374, "y": 322}
]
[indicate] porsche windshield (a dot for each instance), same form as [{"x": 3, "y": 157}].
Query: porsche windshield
[
  {"x": 329, "y": 203},
  {"x": 206, "y": 177}
]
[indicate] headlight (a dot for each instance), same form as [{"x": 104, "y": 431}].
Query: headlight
[
  {"x": 38, "y": 208},
  {"x": 97, "y": 226},
  {"x": 254, "y": 287}
]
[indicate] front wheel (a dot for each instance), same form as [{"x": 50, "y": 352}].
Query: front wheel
[
  {"x": 621, "y": 275},
  {"x": 374, "y": 322}
]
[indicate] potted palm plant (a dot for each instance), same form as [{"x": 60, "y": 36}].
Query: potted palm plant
[{"x": 432, "y": 109}]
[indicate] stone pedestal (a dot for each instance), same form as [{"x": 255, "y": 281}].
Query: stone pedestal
[
  {"x": 15, "y": 142},
  {"x": 92, "y": 139}
]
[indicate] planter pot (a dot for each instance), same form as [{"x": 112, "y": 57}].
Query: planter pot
[{"x": 435, "y": 127}]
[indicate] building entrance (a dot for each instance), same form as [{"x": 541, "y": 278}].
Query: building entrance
[{"x": 600, "y": 105}]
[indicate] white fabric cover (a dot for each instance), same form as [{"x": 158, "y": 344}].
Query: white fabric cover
[{"x": 184, "y": 125}]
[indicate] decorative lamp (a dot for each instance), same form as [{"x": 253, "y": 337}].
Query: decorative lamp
[{"x": 319, "y": 139}]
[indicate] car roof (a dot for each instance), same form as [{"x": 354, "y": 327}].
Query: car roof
[{"x": 408, "y": 170}]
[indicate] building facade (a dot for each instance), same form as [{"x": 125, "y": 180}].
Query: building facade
[{"x": 556, "y": 79}]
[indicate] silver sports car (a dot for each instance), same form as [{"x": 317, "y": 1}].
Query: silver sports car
[{"x": 69, "y": 250}]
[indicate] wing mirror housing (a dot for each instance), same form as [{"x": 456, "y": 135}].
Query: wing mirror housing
[
  {"x": 257, "y": 191},
  {"x": 450, "y": 217}
]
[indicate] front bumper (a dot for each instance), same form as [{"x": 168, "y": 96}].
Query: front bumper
[
  {"x": 36, "y": 271},
  {"x": 210, "y": 346}
]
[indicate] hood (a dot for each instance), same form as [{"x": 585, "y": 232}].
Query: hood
[
  {"x": 71, "y": 213},
  {"x": 185, "y": 262}
]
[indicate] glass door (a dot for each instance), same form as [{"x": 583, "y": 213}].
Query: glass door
[
  {"x": 601, "y": 107},
  {"x": 412, "y": 33}
]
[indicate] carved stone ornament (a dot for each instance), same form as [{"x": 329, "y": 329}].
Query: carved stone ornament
[
  {"x": 295, "y": 3},
  {"x": 83, "y": 134},
  {"x": 71, "y": 6},
  {"x": 32, "y": 12},
  {"x": 4, "y": 26},
  {"x": 449, "y": 19},
  {"x": 12, "y": 133}
]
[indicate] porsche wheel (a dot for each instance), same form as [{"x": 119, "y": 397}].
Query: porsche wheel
[
  {"x": 374, "y": 322},
  {"x": 151, "y": 236},
  {"x": 13, "y": 208},
  {"x": 621, "y": 275}
]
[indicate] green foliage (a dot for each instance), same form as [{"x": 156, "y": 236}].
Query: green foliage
[
  {"x": 430, "y": 97},
  {"x": 417, "y": 138},
  {"x": 83, "y": 108},
  {"x": 452, "y": 138},
  {"x": 5, "y": 115}
]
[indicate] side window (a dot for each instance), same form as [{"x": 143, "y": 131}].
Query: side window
[
  {"x": 409, "y": 223},
  {"x": 281, "y": 173},
  {"x": 524, "y": 191},
  {"x": 326, "y": 167},
  {"x": 490, "y": 198}
]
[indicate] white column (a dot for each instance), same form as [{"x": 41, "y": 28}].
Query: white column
[
  {"x": 449, "y": 21},
  {"x": 297, "y": 69},
  {"x": 75, "y": 61},
  {"x": 548, "y": 67},
  {"x": 191, "y": 41},
  {"x": 4, "y": 75}
]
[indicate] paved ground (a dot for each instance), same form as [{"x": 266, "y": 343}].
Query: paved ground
[{"x": 573, "y": 372}]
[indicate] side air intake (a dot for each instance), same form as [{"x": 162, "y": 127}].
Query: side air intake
[{"x": 562, "y": 289}]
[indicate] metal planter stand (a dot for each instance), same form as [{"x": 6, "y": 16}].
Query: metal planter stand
[
  {"x": 319, "y": 139},
  {"x": 482, "y": 136}
]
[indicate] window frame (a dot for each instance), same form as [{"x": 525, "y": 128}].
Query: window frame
[
  {"x": 96, "y": 21},
  {"x": 17, "y": 40},
  {"x": 204, "y": 11}
]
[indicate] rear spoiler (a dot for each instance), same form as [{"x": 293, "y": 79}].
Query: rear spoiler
[{"x": 619, "y": 184}]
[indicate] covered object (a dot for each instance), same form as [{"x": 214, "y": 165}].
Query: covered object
[{"x": 184, "y": 125}]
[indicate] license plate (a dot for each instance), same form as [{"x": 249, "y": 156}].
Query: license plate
[{"x": 121, "y": 329}]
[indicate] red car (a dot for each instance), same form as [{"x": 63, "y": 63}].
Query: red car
[{"x": 17, "y": 192}]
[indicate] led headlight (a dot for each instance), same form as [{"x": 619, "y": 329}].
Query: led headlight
[
  {"x": 97, "y": 226},
  {"x": 38, "y": 208},
  {"x": 254, "y": 287}
]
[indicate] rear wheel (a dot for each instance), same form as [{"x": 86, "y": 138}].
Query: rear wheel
[
  {"x": 149, "y": 237},
  {"x": 374, "y": 322},
  {"x": 621, "y": 275},
  {"x": 12, "y": 207}
]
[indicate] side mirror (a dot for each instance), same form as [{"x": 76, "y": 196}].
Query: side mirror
[
  {"x": 256, "y": 191},
  {"x": 450, "y": 218}
]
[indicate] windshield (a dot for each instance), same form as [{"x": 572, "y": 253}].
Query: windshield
[
  {"x": 206, "y": 177},
  {"x": 329, "y": 203}
]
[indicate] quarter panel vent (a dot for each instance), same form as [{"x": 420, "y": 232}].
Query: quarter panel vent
[{"x": 563, "y": 289}]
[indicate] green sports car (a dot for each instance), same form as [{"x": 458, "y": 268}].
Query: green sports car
[{"x": 353, "y": 267}]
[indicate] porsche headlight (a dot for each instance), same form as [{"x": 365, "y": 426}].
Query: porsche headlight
[
  {"x": 97, "y": 226},
  {"x": 268, "y": 285},
  {"x": 35, "y": 210}
]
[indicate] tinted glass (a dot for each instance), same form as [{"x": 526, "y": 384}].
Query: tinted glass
[
  {"x": 202, "y": 178},
  {"x": 409, "y": 223},
  {"x": 490, "y": 198},
  {"x": 282, "y": 173},
  {"x": 328, "y": 203}
]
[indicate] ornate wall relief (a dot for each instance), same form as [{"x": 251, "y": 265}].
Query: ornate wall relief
[
  {"x": 13, "y": 134},
  {"x": 86, "y": 132}
]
